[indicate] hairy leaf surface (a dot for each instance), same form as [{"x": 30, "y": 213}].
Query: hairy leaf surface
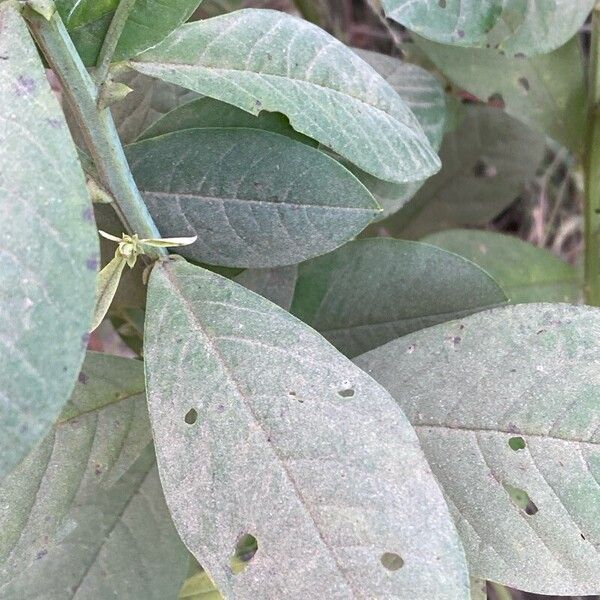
[
  {"x": 505, "y": 404},
  {"x": 262, "y": 428},
  {"x": 510, "y": 26},
  {"x": 526, "y": 273},
  {"x": 84, "y": 515},
  {"x": 547, "y": 92},
  {"x": 276, "y": 285},
  {"x": 267, "y": 60},
  {"x": 425, "y": 97},
  {"x": 371, "y": 291},
  {"x": 208, "y": 112},
  {"x": 253, "y": 198},
  {"x": 487, "y": 162},
  {"x": 48, "y": 248},
  {"x": 150, "y": 22}
]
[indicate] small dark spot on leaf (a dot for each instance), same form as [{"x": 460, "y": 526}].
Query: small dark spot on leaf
[
  {"x": 245, "y": 549},
  {"x": 179, "y": 340},
  {"x": 483, "y": 169},
  {"x": 411, "y": 348},
  {"x": 292, "y": 393},
  {"x": 97, "y": 470},
  {"x": 347, "y": 392},
  {"x": 24, "y": 428},
  {"x": 517, "y": 443},
  {"x": 92, "y": 264},
  {"x": 456, "y": 340},
  {"x": 461, "y": 33},
  {"x": 54, "y": 122},
  {"x": 531, "y": 508},
  {"x": 191, "y": 416},
  {"x": 541, "y": 331},
  {"x": 82, "y": 378},
  {"x": 391, "y": 561},
  {"x": 519, "y": 55},
  {"x": 442, "y": 3},
  {"x": 524, "y": 83},
  {"x": 88, "y": 215},
  {"x": 41, "y": 554},
  {"x": 24, "y": 86},
  {"x": 513, "y": 370},
  {"x": 220, "y": 408},
  {"x": 582, "y": 536},
  {"x": 85, "y": 338},
  {"x": 496, "y": 100},
  {"x": 3, "y": 57},
  {"x": 258, "y": 104}
]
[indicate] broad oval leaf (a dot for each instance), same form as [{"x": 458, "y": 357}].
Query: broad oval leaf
[
  {"x": 150, "y": 22},
  {"x": 253, "y": 198},
  {"x": 526, "y": 273},
  {"x": 84, "y": 515},
  {"x": 48, "y": 248},
  {"x": 505, "y": 404},
  {"x": 371, "y": 291},
  {"x": 487, "y": 161},
  {"x": 547, "y": 92},
  {"x": 266, "y": 60},
  {"x": 208, "y": 112},
  {"x": 511, "y": 26},
  {"x": 262, "y": 428}
]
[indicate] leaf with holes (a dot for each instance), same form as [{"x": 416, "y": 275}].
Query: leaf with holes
[
  {"x": 48, "y": 249},
  {"x": 487, "y": 162},
  {"x": 253, "y": 198},
  {"x": 84, "y": 515},
  {"x": 524, "y": 272},
  {"x": 262, "y": 428},
  {"x": 425, "y": 97},
  {"x": 266, "y": 60},
  {"x": 505, "y": 404},
  {"x": 509, "y": 26},
  {"x": 341, "y": 296},
  {"x": 150, "y": 22},
  {"x": 547, "y": 92}
]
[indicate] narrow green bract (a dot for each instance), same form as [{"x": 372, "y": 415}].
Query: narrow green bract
[{"x": 48, "y": 248}]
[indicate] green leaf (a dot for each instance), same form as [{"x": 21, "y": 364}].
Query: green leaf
[
  {"x": 525, "y": 273},
  {"x": 371, "y": 291},
  {"x": 262, "y": 428},
  {"x": 254, "y": 198},
  {"x": 510, "y": 26},
  {"x": 266, "y": 60},
  {"x": 487, "y": 162},
  {"x": 470, "y": 387},
  {"x": 208, "y": 112},
  {"x": 84, "y": 515},
  {"x": 276, "y": 285},
  {"x": 150, "y": 22},
  {"x": 48, "y": 248},
  {"x": 547, "y": 92},
  {"x": 425, "y": 97},
  {"x": 150, "y": 100}
]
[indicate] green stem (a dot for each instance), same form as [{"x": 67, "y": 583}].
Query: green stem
[
  {"x": 592, "y": 171},
  {"x": 96, "y": 124},
  {"x": 111, "y": 39}
]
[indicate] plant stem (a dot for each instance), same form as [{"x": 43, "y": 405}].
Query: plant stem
[
  {"x": 97, "y": 124},
  {"x": 592, "y": 170},
  {"x": 111, "y": 39}
]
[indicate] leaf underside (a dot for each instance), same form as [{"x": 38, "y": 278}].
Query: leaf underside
[
  {"x": 507, "y": 402},
  {"x": 48, "y": 248},
  {"x": 282, "y": 444}
]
